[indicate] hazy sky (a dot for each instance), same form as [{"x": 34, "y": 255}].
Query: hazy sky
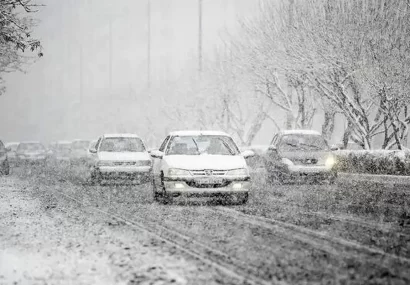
[{"x": 46, "y": 103}]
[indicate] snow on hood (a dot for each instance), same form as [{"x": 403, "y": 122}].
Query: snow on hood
[
  {"x": 204, "y": 161},
  {"x": 123, "y": 156}
]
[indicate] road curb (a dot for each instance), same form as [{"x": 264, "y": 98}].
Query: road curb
[{"x": 385, "y": 179}]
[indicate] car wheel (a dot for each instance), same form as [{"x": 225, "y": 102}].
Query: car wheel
[
  {"x": 166, "y": 198},
  {"x": 275, "y": 178},
  {"x": 94, "y": 179},
  {"x": 243, "y": 198}
]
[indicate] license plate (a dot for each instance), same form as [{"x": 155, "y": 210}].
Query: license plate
[{"x": 209, "y": 181}]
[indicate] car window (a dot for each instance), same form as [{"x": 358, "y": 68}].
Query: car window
[
  {"x": 302, "y": 142},
  {"x": 2, "y": 148},
  {"x": 122, "y": 144},
  {"x": 164, "y": 144},
  {"x": 196, "y": 145},
  {"x": 30, "y": 147}
]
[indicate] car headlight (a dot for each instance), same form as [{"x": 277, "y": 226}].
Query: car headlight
[
  {"x": 178, "y": 172},
  {"x": 287, "y": 161},
  {"x": 238, "y": 172},
  {"x": 104, "y": 163},
  {"x": 330, "y": 162}
]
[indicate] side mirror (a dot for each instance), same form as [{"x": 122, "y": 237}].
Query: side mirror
[
  {"x": 335, "y": 147},
  {"x": 92, "y": 150},
  {"x": 272, "y": 148},
  {"x": 156, "y": 154},
  {"x": 247, "y": 153}
]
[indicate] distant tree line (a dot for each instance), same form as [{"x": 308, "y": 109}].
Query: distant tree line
[
  {"x": 346, "y": 57},
  {"x": 15, "y": 35}
]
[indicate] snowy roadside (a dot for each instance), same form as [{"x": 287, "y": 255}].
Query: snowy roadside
[
  {"x": 45, "y": 241},
  {"x": 345, "y": 177}
]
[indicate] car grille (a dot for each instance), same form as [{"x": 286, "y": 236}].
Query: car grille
[
  {"x": 309, "y": 161},
  {"x": 208, "y": 172},
  {"x": 199, "y": 185},
  {"x": 132, "y": 163}
]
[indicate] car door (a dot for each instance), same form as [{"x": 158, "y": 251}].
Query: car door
[{"x": 157, "y": 163}]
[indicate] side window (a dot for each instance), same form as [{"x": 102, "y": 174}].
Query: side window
[
  {"x": 164, "y": 144},
  {"x": 2, "y": 148}
]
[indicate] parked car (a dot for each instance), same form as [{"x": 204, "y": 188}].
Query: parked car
[
  {"x": 295, "y": 155},
  {"x": 11, "y": 148},
  {"x": 4, "y": 163},
  {"x": 62, "y": 152},
  {"x": 79, "y": 151},
  {"x": 31, "y": 152},
  {"x": 121, "y": 157},
  {"x": 200, "y": 163}
]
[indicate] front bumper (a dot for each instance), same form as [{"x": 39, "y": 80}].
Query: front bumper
[
  {"x": 195, "y": 187},
  {"x": 301, "y": 172},
  {"x": 140, "y": 173}
]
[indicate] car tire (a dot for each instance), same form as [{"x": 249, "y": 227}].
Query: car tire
[
  {"x": 275, "y": 178},
  {"x": 155, "y": 193},
  {"x": 95, "y": 179},
  {"x": 165, "y": 197}
]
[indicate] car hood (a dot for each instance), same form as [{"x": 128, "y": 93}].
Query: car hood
[
  {"x": 200, "y": 162},
  {"x": 300, "y": 155},
  {"x": 123, "y": 156}
]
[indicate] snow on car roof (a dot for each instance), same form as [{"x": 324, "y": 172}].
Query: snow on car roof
[
  {"x": 36, "y": 142},
  {"x": 301, "y": 132},
  {"x": 198, "y": 133},
  {"x": 120, "y": 136},
  {"x": 63, "y": 142}
]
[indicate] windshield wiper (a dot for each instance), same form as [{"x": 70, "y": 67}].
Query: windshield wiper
[{"x": 196, "y": 145}]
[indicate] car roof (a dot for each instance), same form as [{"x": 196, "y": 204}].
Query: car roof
[
  {"x": 299, "y": 132},
  {"x": 63, "y": 142},
  {"x": 11, "y": 143},
  {"x": 125, "y": 135},
  {"x": 31, "y": 142},
  {"x": 81, "y": 140},
  {"x": 198, "y": 133}
]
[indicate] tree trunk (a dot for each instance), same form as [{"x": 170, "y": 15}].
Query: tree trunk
[{"x": 329, "y": 124}]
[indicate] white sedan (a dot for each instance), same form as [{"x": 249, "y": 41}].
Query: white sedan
[
  {"x": 120, "y": 157},
  {"x": 200, "y": 163}
]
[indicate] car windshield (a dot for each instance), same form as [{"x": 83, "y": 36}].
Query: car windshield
[
  {"x": 80, "y": 145},
  {"x": 196, "y": 145},
  {"x": 66, "y": 147},
  {"x": 122, "y": 145},
  {"x": 303, "y": 142},
  {"x": 26, "y": 147},
  {"x": 13, "y": 147}
]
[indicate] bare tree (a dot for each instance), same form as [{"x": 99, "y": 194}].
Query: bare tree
[{"x": 15, "y": 35}]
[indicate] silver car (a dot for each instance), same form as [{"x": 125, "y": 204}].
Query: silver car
[{"x": 298, "y": 155}]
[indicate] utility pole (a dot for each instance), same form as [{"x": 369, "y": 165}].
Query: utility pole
[
  {"x": 200, "y": 37},
  {"x": 149, "y": 46},
  {"x": 110, "y": 56},
  {"x": 81, "y": 72}
]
